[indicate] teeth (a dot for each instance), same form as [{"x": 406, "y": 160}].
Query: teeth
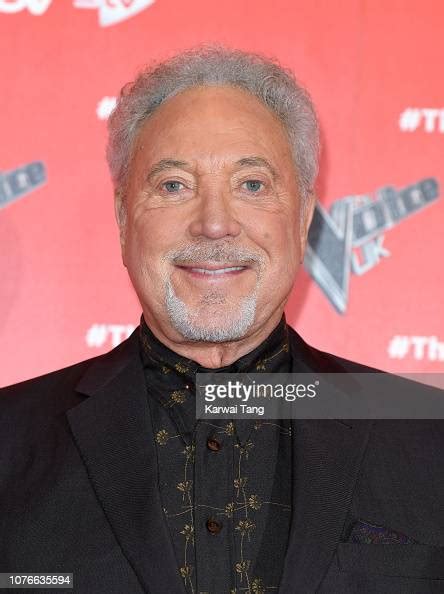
[{"x": 218, "y": 270}]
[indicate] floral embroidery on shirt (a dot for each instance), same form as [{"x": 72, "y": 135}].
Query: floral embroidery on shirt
[{"x": 246, "y": 507}]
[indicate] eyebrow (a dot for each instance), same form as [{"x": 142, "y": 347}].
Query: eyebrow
[
  {"x": 254, "y": 161},
  {"x": 250, "y": 161},
  {"x": 165, "y": 164}
]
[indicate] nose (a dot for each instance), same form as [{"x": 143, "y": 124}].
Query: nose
[{"x": 214, "y": 215}]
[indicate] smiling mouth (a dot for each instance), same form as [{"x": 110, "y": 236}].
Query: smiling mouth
[{"x": 213, "y": 270}]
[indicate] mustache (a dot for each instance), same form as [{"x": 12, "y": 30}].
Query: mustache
[{"x": 216, "y": 253}]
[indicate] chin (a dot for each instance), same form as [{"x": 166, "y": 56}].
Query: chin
[
  {"x": 210, "y": 322},
  {"x": 213, "y": 334},
  {"x": 212, "y": 326}
]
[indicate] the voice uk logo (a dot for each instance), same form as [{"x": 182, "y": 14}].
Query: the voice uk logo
[
  {"x": 349, "y": 238},
  {"x": 110, "y": 12}
]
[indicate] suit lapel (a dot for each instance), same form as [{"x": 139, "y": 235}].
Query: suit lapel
[
  {"x": 113, "y": 433},
  {"x": 327, "y": 455}
]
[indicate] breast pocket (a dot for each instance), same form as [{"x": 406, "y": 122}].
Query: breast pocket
[{"x": 402, "y": 560}]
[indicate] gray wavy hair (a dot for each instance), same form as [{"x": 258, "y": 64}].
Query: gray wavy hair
[{"x": 275, "y": 86}]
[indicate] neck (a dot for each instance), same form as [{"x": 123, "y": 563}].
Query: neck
[{"x": 213, "y": 355}]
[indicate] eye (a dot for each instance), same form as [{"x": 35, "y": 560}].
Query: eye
[
  {"x": 253, "y": 185},
  {"x": 172, "y": 186}
]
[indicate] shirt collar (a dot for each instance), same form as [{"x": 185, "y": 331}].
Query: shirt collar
[{"x": 171, "y": 377}]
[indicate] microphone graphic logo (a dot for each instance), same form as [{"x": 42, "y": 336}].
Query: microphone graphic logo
[{"x": 18, "y": 182}]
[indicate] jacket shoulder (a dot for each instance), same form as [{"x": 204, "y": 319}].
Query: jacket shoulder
[
  {"x": 40, "y": 391},
  {"x": 57, "y": 390}
]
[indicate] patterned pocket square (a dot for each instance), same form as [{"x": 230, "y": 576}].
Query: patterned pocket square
[{"x": 365, "y": 533}]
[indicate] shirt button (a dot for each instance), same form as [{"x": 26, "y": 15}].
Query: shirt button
[
  {"x": 213, "y": 526},
  {"x": 213, "y": 444}
]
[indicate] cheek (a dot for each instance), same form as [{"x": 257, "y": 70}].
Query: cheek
[
  {"x": 280, "y": 242},
  {"x": 148, "y": 234},
  {"x": 285, "y": 259}
]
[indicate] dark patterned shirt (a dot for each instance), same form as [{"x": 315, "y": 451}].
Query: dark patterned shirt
[{"x": 225, "y": 485}]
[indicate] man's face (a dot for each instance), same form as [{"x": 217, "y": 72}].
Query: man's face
[{"x": 210, "y": 222}]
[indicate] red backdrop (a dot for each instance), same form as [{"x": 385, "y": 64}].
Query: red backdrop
[{"x": 374, "y": 71}]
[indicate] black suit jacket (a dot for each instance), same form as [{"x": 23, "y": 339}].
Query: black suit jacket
[{"x": 78, "y": 488}]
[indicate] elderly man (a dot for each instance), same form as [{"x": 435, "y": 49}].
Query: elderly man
[{"x": 107, "y": 474}]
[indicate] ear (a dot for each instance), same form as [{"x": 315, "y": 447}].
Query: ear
[
  {"x": 306, "y": 218},
  {"x": 120, "y": 214}
]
